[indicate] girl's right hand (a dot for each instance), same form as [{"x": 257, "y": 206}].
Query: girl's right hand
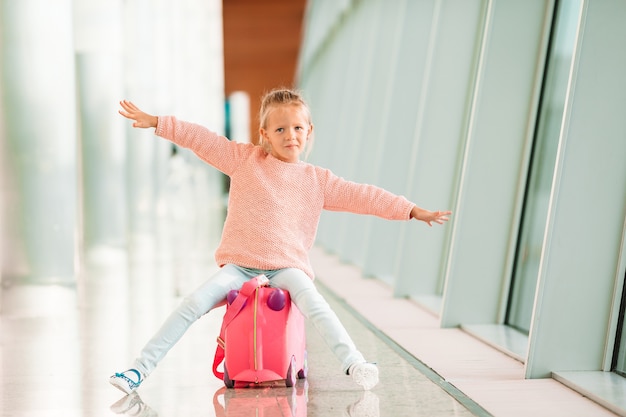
[{"x": 142, "y": 119}]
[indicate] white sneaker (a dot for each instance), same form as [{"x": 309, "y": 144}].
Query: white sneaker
[
  {"x": 364, "y": 374},
  {"x": 127, "y": 381},
  {"x": 132, "y": 405},
  {"x": 366, "y": 406}
]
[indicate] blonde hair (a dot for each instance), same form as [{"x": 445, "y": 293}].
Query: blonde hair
[{"x": 282, "y": 97}]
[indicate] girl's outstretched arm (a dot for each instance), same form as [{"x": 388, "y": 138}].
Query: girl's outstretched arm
[
  {"x": 142, "y": 119},
  {"x": 429, "y": 217}
]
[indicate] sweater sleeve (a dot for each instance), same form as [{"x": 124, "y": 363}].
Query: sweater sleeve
[
  {"x": 216, "y": 150},
  {"x": 343, "y": 195}
]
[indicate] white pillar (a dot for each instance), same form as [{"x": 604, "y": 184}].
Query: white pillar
[
  {"x": 39, "y": 141},
  {"x": 141, "y": 87},
  {"x": 239, "y": 116},
  {"x": 99, "y": 79}
]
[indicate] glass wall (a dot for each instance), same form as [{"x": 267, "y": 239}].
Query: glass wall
[
  {"x": 74, "y": 177},
  {"x": 619, "y": 358},
  {"x": 542, "y": 162},
  {"x": 511, "y": 114}
]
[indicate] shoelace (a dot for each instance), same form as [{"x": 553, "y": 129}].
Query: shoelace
[{"x": 131, "y": 383}]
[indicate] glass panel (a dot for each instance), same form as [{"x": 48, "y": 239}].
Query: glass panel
[
  {"x": 541, "y": 171},
  {"x": 619, "y": 358}
]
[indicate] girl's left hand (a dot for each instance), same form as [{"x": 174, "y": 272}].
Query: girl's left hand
[{"x": 430, "y": 217}]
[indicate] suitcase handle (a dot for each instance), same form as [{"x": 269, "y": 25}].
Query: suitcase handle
[
  {"x": 231, "y": 312},
  {"x": 220, "y": 410}
]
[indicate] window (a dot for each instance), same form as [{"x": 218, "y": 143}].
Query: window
[
  {"x": 542, "y": 162},
  {"x": 619, "y": 357}
]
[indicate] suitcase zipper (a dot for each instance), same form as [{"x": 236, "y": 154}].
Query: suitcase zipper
[{"x": 256, "y": 298}]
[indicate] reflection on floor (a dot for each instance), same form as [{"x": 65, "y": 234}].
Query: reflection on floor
[{"x": 58, "y": 346}]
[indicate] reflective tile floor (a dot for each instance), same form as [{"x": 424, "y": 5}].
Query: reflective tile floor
[{"x": 59, "y": 344}]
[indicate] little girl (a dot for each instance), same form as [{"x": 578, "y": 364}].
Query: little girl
[{"x": 275, "y": 202}]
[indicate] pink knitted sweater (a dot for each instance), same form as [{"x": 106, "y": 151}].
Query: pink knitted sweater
[{"x": 274, "y": 206}]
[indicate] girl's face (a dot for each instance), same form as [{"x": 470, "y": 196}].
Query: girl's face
[{"x": 286, "y": 132}]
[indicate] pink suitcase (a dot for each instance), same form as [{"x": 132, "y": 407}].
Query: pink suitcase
[{"x": 262, "y": 337}]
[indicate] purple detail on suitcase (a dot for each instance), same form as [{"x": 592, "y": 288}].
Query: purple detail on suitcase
[
  {"x": 277, "y": 300},
  {"x": 230, "y": 297}
]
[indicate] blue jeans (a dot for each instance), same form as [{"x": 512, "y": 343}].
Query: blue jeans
[{"x": 303, "y": 293}]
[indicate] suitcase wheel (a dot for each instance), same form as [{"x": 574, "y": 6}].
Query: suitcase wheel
[
  {"x": 227, "y": 381},
  {"x": 302, "y": 373},
  {"x": 292, "y": 374}
]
